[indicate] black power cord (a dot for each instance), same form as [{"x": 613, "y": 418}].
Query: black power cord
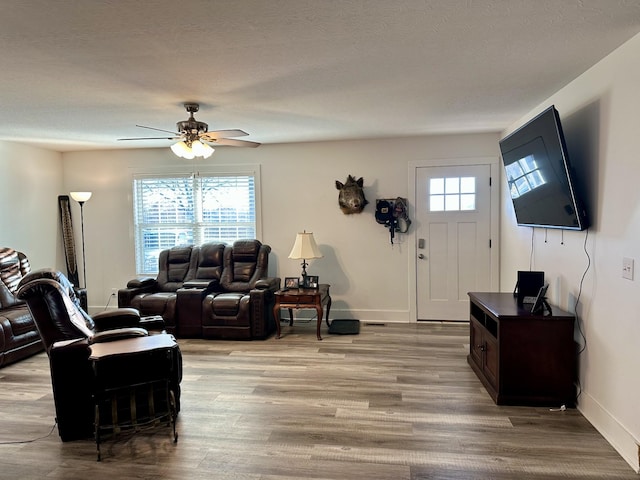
[
  {"x": 575, "y": 310},
  {"x": 16, "y": 442}
]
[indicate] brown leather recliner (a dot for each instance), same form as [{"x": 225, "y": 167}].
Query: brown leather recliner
[
  {"x": 242, "y": 308},
  {"x": 158, "y": 296},
  {"x": 68, "y": 333}
]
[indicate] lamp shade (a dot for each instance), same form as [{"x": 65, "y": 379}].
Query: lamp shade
[
  {"x": 201, "y": 149},
  {"x": 80, "y": 197},
  {"x": 196, "y": 148},
  {"x": 183, "y": 150},
  {"x": 305, "y": 247}
]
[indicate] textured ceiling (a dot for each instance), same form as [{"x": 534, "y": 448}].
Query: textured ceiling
[{"x": 80, "y": 74}]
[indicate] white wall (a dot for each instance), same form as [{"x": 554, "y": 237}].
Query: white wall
[
  {"x": 30, "y": 182},
  {"x": 369, "y": 278},
  {"x": 599, "y": 111}
]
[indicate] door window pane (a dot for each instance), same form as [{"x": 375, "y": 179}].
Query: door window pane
[
  {"x": 452, "y": 185},
  {"x": 452, "y": 203},
  {"x": 436, "y": 186},
  {"x": 436, "y": 203},
  {"x": 468, "y": 185},
  {"x": 467, "y": 201},
  {"x": 452, "y": 194}
]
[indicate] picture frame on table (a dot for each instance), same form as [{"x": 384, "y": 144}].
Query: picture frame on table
[
  {"x": 310, "y": 281},
  {"x": 291, "y": 282},
  {"x": 541, "y": 301}
]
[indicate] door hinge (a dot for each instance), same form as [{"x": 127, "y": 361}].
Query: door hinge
[{"x": 489, "y": 243}]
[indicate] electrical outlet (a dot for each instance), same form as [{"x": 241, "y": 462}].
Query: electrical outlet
[
  {"x": 627, "y": 268},
  {"x": 114, "y": 291}
]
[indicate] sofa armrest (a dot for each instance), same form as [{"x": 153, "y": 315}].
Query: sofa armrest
[
  {"x": 142, "y": 282},
  {"x": 262, "y": 319},
  {"x": 136, "y": 287},
  {"x": 118, "y": 334},
  {"x": 268, "y": 283},
  {"x": 154, "y": 322},
  {"x": 118, "y": 318}
]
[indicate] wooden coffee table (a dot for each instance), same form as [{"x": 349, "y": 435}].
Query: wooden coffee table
[{"x": 298, "y": 298}]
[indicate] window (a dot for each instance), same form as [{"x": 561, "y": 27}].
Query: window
[
  {"x": 190, "y": 210},
  {"x": 452, "y": 194},
  {"x": 524, "y": 176}
]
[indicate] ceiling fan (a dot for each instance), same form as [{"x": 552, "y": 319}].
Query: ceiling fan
[{"x": 194, "y": 138}]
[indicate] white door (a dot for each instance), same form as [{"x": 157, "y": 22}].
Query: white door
[{"x": 453, "y": 217}]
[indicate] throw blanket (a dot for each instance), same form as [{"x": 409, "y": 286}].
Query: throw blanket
[{"x": 13, "y": 266}]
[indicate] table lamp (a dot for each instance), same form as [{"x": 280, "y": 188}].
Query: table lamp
[{"x": 305, "y": 248}]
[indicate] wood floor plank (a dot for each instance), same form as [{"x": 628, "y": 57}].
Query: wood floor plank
[{"x": 393, "y": 402}]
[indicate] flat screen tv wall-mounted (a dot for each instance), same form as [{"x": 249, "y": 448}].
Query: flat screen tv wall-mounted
[{"x": 539, "y": 175}]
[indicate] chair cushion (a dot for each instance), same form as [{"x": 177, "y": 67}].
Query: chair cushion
[
  {"x": 175, "y": 269},
  {"x": 210, "y": 261},
  {"x": 227, "y": 303},
  {"x": 160, "y": 303},
  {"x": 20, "y": 320}
]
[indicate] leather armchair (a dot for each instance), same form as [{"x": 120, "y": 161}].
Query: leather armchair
[
  {"x": 208, "y": 273},
  {"x": 242, "y": 308},
  {"x": 68, "y": 333},
  {"x": 158, "y": 296}
]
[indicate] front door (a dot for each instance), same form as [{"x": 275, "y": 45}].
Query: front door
[{"x": 453, "y": 213}]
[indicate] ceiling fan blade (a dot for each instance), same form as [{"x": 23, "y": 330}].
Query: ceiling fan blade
[
  {"x": 158, "y": 129},
  {"x": 151, "y": 138},
  {"x": 234, "y": 143},
  {"x": 213, "y": 135}
]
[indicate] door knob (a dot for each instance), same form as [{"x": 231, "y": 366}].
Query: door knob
[{"x": 420, "y": 256}]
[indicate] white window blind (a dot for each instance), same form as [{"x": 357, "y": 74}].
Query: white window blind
[{"x": 190, "y": 210}]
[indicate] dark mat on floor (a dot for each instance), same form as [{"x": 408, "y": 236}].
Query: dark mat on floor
[{"x": 345, "y": 327}]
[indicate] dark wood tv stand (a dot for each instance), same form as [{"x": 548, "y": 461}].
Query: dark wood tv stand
[{"x": 521, "y": 358}]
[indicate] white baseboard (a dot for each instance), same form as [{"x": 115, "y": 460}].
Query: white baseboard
[{"x": 613, "y": 431}]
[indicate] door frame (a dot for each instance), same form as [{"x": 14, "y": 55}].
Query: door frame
[{"x": 496, "y": 179}]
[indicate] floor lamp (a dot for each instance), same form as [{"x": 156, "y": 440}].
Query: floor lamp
[{"x": 82, "y": 197}]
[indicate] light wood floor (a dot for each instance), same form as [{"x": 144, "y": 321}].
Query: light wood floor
[{"x": 394, "y": 402}]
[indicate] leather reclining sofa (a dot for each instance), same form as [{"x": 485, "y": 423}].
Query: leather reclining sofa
[
  {"x": 214, "y": 290},
  {"x": 19, "y": 337}
]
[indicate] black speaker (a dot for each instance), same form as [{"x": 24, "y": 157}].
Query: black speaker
[{"x": 528, "y": 286}]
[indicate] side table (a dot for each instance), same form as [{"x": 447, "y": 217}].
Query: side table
[
  {"x": 298, "y": 298},
  {"x": 132, "y": 384}
]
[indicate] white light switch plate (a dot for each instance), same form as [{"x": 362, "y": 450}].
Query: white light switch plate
[{"x": 627, "y": 268}]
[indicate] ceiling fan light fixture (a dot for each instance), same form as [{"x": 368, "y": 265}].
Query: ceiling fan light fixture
[
  {"x": 208, "y": 150},
  {"x": 182, "y": 150},
  {"x": 201, "y": 149},
  {"x": 193, "y": 149}
]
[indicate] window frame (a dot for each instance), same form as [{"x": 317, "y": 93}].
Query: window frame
[
  {"x": 447, "y": 195},
  {"x": 209, "y": 171}
]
